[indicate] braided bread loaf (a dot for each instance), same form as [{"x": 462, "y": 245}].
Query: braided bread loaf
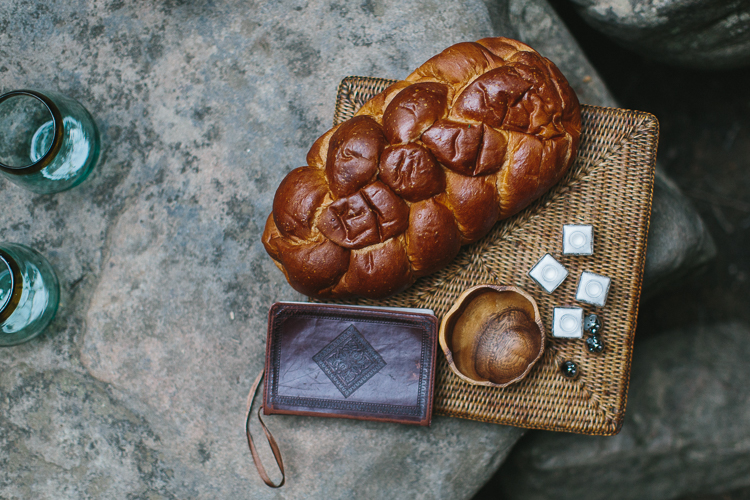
[{"x": 472, "y": 136}]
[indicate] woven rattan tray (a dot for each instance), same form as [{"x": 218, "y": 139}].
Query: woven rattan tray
[{"x": 610, "y": 186}]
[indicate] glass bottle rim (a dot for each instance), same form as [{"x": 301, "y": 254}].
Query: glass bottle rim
[
  {"x": 9, "y": 304},
  {"x": 57, "y": 122},
  {"x": 3, "y": 266}
]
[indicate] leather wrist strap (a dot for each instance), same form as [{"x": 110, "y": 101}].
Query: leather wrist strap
[{"x": 269, "y": 437}]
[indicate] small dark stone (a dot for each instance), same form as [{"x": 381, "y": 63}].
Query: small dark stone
[
  {"x": 569, "y": 369},
  {"x": 592, "y": 324},
  {"x": 594, "y": 344}
]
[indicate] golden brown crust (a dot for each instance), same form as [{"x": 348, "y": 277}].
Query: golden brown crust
[
  {"x": 472, "y": 136},
  {"x": 412, "y": 172},
  {"x": 474, "y": 202},
  {"x": 377, "y": 271},
  {"x": 433, "y": 238},
  {"x": 297, "y": 199}
]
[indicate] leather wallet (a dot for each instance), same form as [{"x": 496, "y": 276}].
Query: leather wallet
[{"x": 365, "y": 363}]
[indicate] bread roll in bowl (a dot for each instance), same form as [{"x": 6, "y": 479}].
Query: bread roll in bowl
[{"x": 472, "y": 136}]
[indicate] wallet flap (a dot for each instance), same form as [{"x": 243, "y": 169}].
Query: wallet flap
[{"x": 350, "y": 362}]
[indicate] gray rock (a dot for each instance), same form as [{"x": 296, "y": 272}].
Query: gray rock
[
  {"x": 203, "y": 108},
  {"x": 539, "y": 26},
  {"x": 706, "y": 34},
  {"x": 138, "y": 388},
  {"x": 686, "y": 431},
  {"x": 674, "y": 220},
  {"x": 678, "y": 241},
  {"x": 64, "y": 436}
]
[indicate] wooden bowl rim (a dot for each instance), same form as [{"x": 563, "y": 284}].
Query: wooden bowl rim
[{"x": 457, "y": 305}]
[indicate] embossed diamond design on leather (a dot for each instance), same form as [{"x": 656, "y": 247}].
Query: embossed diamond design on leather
[{"x": 349, "y": 361}]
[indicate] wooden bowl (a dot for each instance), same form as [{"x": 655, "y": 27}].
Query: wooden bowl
[{"x": 492, "y": 335}]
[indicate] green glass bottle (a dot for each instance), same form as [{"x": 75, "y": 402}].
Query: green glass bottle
[
  {"x": 29, "y": 293},
  {"x": 48, "y": 142}
]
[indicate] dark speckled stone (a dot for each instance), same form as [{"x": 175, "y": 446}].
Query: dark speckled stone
[
  {"x": 705, "y": 34},
  {"x": 137, "y": 390},
  {"x": 594, "y": 344},
  {"x": 686, "y": 432},
  {"x": 569, "y": 369},
  {"x": 592, "y": 324}
]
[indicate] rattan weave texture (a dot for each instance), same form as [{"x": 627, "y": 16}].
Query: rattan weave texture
[{"x": 610, "y": 186}]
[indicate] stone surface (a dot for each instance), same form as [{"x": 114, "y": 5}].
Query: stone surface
[
  {"x": 138, "y": 387},
  {"x": 678, "y": 242},
  {"x": 65, "y": 436},
  {"x": 537, "y": 24},
  {"x": 709, "y": 34},
  {"x": 673, "y": 219},
  {"x": 686, "y": 431}
]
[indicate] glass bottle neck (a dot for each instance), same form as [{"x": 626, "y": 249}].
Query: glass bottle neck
[
  {"x": 6, "y": 283},
  {"x": 32, "y": 127},
  {"x": 10, "y": 286}
]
